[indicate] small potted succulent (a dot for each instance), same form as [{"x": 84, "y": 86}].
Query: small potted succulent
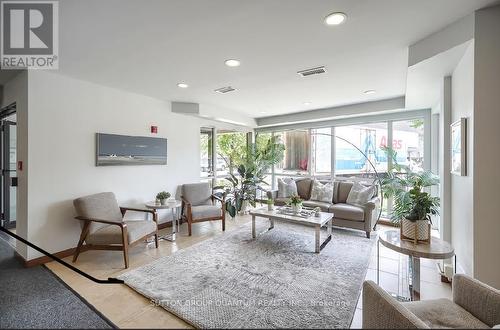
[
  {"x": 270, "y": 204},
  {"x": 296, "y": 203},
  {"x": 162, "y": 197}
]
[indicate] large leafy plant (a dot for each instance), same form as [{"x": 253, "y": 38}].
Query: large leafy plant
[
  {"x": 407, "y": 187},
  {"x": 251, "y": 173}
]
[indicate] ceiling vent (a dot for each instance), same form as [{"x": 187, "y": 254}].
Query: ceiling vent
[
  {"x": 224, "y": 90},
  {"x": 313, "y": 71}
]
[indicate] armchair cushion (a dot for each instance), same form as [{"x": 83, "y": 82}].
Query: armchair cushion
[
  {"x": 112, "y": 234},
  {"x": 100, "y": 206},
  {"x": 206, "y": 211},
  {"x": 443, "y": 313},
  {"x": 197, "y": 193}
]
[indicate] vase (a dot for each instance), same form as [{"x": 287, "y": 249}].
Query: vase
[
  {"x": 270, "y": 207},
  {"x": 416, "y": 231},
  {"x": 296, "y": 208},
  {"x": 163, "y": 201}
]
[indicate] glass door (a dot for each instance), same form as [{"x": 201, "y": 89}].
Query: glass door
[{"x": 9, "y": 173}]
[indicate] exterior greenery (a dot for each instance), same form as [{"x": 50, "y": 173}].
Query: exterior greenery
[
  {"x": 407, "y": 189},
  {"x": 232, "y": 149},
  {"x": 254, "y": 164}
]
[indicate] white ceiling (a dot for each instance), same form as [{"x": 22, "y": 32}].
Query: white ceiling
[{"x": 149, "y": 46}]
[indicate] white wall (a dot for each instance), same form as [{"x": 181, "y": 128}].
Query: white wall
[
  {"x": 487, "y": 146},
  {"x": 16, "y": 90},
  {"x": 64, "y": 115},
  {"x": 462, "y": 203}
]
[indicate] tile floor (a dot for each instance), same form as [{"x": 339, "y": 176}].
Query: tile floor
[{"x": 128, "y": 309}]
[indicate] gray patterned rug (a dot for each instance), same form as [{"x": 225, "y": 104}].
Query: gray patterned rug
[{"x": 276, "y": 281}]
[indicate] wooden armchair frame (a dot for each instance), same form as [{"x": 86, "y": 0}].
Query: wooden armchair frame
[
  {"x": 113, "y": 247},
  {"x": 186, "y": 205}
]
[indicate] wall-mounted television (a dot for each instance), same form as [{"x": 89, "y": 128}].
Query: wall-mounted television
[{"x": 113, "y": 149}]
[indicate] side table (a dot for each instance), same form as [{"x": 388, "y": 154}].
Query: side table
[
  {"x": 173, "y": 206},
  {"x": 437, "y": 249}
]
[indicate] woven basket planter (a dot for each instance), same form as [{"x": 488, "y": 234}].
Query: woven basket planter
[{"x": 416, "y": 231}]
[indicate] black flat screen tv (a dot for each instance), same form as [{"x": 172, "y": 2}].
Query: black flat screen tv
[{"x": 112, "y": 150}]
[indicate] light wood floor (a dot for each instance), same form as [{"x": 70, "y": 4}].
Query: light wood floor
[{"x": 128, "y": 309}]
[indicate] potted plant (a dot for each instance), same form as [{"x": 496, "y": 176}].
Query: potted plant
[
  {"x": 413, "y": 206},
  {"x": 252, "y": 170},
  {"x": 296, "y": 203},
  {"x": 162, "y": 197},
  {"x": 270, "y": 204}
]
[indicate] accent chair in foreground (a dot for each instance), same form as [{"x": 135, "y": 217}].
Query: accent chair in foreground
[
  {"x": 103, "y": 226},
  {"x": 475, "y": 306}
]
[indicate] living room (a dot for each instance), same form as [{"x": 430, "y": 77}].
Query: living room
[{"x": 313, "y": 101}]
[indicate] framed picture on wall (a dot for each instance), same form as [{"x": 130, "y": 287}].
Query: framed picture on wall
[{"x": 459, "y": 147}]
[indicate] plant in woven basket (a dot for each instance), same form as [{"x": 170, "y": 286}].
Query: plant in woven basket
[{"x": 407, "y": 188}]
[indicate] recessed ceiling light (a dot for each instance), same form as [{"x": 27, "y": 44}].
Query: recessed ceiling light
[
  {"x": 306, "y": 103},
  {"x": 263, "y": 112},
  {"x": 335, "y": 18},
  {"x": 232, "y": 62},
  {"x": 370, "y": 91},
  {"x": 182, "y": 85}
]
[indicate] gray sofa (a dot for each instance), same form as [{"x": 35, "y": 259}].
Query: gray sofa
[
  {"x": 361, "y": 217},
  {"x": 475, "y": 306}
]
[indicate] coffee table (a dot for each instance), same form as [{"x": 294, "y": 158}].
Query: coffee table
[{"x": 312, "y": 221}]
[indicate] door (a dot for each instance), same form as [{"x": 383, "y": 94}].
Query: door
[{"x": 9, "y": 173}]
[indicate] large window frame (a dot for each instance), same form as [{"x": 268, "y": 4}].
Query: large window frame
[
  {"x": 214, "y": 176},
  {"x": 388, "y": 118}
]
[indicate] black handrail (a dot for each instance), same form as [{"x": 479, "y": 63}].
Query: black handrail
[{"x": 110, "y": 280}]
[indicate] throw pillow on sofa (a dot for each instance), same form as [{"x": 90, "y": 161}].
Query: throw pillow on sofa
[
  {"x": 286, "y": 187},
  {"x": 322, "y": 192},
  {"x": 359, "y": 194}
]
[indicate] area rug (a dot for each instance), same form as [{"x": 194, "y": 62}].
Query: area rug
[{"x": 275, "y": 281}]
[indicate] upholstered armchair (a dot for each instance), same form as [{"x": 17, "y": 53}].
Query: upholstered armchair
[
  {"x": 103, "y": 227},
  {"x": 475, "y": 306},
  {"x": 199, "y": 204}
]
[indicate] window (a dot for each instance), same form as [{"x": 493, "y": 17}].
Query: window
[
  {"x": 231, "y": 151},
  {"x": 322, "y": 151},
  {"x": 368, "y": 138},
  {"x": 313, "y": 152},
  {"x": 206, "y": 152},
  {"x": 408, "y": 143},
  {"x": 296, "y": 160}
]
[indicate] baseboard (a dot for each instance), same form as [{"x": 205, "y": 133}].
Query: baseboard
[
  {"x": 44, "y": 259},
  {"x": 386, "y": 223},
  {"x": 65, "y": 253}
]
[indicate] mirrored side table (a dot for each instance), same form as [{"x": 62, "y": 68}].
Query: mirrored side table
[
  {"x": 170, "y": 205},
  {"x": 437, "y": 249}
]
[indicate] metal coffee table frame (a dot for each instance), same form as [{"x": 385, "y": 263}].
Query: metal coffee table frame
[{"x": 313, "y": 221}]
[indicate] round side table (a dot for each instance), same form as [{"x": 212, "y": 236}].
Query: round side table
[
  {"x": 172, "y": 205},
  {"x": 437, "y": 249}
]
